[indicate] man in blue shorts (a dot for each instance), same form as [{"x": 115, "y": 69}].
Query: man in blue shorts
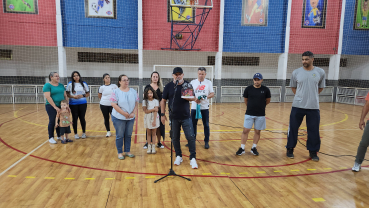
[{"x": 256, "y": 98}]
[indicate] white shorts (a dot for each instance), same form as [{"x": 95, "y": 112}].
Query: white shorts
[{"x": 258, "y": 121}]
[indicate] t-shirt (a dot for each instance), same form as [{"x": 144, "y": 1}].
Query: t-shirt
[
  {"x": 125, "y": 100},
  {"x": 256, "y": 100},
  {"x": 307, "y": 85},
  {"x": 151, "y": 104},
  {"x": 64, "y": 117},
  {"x": 56, "y": 93},
  {"x": 202, "y": 88},
  {"x": 78, "y": 90},
  {"x": 181, "y": 107},
  {"x": 106, "y": 91},
  {"x": 158, "y": 92}
]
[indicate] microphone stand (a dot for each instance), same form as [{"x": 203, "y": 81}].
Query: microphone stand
[{"x": 171, "y": 171}]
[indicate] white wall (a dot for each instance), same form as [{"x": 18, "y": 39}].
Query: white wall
[
  {"x": 357, "y": 68},
  {"x": 295, "y": 62}
]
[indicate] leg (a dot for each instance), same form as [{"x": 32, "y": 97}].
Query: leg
[
  {"x": 245, "y": 135},
  {"x": 51, "y": 112},
  {"x": 106, "y": 111},
  {"x": 119, "y": 132},
  {"x": 363, "y": 146},
  {"x": 194, "y": 121},
  {"x": 127, "y": 136},
  {"x": 247, "y": 125},
  {"x": 176, "y": 134},
  {"x": 190, "y": 136},
  {"x": 148, "y": 136},
  {"x": 153, "y": 135},
  {"x": 205, "y": 122},
  {"x": 260, "y": 124},
  {"x": 312, "y": 124},
  {"x": 256, "y": 136},
  {"x": 296, "y": 117},
  {"x": 74, "y": 111},
  {"x": 81, "y": 114}
]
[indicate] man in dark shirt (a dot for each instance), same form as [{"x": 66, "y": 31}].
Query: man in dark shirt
[
  {"x": 256, "y": 98},
  {"x": 180, "y": 116}
]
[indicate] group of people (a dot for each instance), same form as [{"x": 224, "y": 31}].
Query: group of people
[{"x": 121, "y": 102}]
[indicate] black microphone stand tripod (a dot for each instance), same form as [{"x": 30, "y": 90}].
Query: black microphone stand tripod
[{"x": 171, "y": 171}]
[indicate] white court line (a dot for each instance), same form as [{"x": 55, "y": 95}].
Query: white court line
[{"x": 22, "y": 158}]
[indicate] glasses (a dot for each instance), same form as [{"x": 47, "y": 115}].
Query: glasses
[{"x": 125, "y": 80}]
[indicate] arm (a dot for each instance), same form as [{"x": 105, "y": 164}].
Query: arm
[
  {"x": 132, "y": 115},
  {"x": 211, "y": 95},
  {"x": 50, "y": 100},
  {"x": 363, "y": 114},
  {"x": 87, "y": 94},
  {"x": 56, "y": 120},
  {"x": 293, "y": 90},
  {"x": 119, "y": 110},
  {"x": 189, "y": 99},
  {"x": 74, "y": 96},
  {"x": 320, "y": 90},
  {"x": 99, "y": 95},
  {"x": 66, "y": 96},
  {"x": 245, "y": 100},
  {"x": 268, "y": 100},
  {"x": 163, "y": 103}
]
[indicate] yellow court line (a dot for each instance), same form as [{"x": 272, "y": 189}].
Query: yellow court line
[
  {"x": 260, "y": 172},
  {"x": 278, "y": 171},
  {"x": 150, "y": 177},
  {"x": 69, "y": 178},
  {"x": 343, "y": 167},
  {"x": 318, "y": 199},
  {"x": 12, "y": 176}
]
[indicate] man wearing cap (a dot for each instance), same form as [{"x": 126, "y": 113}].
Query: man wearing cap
[
  {"x": 180, "y": 116},
  {"x": 256, "y": 98},
  {"x": 306, "y": 83}
]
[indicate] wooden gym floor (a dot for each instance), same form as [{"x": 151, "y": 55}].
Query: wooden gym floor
[{"x": 87, "y": 172}]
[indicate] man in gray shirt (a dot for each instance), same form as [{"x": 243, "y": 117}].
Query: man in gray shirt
[{"x": 306, "y": 83}]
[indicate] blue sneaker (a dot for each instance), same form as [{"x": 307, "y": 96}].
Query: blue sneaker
[{"x": 63, "y": 141}]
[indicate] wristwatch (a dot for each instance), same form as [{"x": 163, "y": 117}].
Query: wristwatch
[{"x": 162, "y": 114}]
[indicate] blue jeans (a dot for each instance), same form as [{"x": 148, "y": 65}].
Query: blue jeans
[
  {"x": 205, "y": 122},
  {"x": 312, "y": 124},
  {"x": 123, "y": 129},
  {"x": 51, "y": 112},
  {"x": 190, "y": 136}
]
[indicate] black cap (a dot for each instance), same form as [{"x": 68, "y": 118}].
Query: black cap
[{"x": 177, "y": 70}]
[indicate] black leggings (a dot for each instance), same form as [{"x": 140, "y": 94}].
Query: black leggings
[
  {"x": 106, "y": 111},
  {"x": 79, "y": 111}
]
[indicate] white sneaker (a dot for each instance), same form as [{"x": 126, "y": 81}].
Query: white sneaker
[
  {"x": 59, "y": 138},
  {"x": 356, "y": 167},
  {"x": 108, "y": 134},
  {"x": 52, "y": 141},
  {"x": 153, "y": 150},
  {"x": 84, "y": 136},
  {"x": 178, "y": 160},
  {"x": 193, "y": 163},
  {"x": 76, "y": 136},
  {"x": 149, "y": 149}
]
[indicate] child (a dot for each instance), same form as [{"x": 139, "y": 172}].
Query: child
[
  {"x": 150, "y": 106},
  {"x": 64, "y": 116}
]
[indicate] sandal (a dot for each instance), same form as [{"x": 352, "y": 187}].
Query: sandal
[
  {"x": 130, "y": 155},
  {"x": 121, "y": 158}
]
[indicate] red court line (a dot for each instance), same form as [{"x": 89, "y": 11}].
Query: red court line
[
  {"x": 219, "y": 115},
  {"x": 162, "y": 174}
]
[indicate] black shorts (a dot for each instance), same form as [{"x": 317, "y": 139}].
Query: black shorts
[{"x": 64, "y": 130}]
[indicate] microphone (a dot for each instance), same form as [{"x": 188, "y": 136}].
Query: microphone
[{"x": 176, "y": 83}]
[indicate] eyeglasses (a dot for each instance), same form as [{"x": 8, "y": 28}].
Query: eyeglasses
[{"x": 125, "y": 80}]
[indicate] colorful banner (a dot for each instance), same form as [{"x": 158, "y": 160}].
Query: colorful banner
[
  {"x": 314, "y": 14},
  {"x": 255, "y": 12},
  {"x": 181, "y": 14},
  {"x": 101, "y": 9},
  {"x": 361, "y": 15},
  {"x": 20, "y": 6}
]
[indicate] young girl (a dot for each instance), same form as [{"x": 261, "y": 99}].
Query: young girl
[
  {"x": 150, "y": 106},
  {"x": 64, "y": 116}
]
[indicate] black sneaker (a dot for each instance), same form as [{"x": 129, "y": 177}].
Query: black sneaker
[
  {"x": 160, "y": 145},
  {"x": 290, "y": 153},
  {"x": 240, "y": 151},
  {"x": 186, "y": 145},
  {"x": 314, "y": 156},
  {"x": 254, "y": 151},
  {"x": 145, "y": 146},
  {"x": 207, "y": 145}
]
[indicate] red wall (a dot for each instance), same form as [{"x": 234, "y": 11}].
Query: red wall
[
  {"x": 318, "y": 41},
  {"x": 29, "y": 29},
  {"x": 156, "y": 28}
]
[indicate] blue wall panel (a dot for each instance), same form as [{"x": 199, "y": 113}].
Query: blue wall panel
[
  {"x": 79, "y": 31},
  {"x": 355, "y": 42},
  {"x": 255, "y": 39}
]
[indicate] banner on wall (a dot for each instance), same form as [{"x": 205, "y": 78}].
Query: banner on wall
[
  {"x": 361, "y": 15},
  {"x": 255, "y": 12},
  {"x": 181, "y": 14},
  {"x": 101, "y": 9},
  {"x": 314, "y": 13},
  {"x": 20, "y": 6}
]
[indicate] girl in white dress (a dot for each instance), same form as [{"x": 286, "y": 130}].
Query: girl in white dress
[{"x": 150, "y": 106}]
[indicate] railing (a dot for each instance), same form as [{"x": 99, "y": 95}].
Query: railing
[
  {"x": 326, "y": 96},
  {"x": 232, "y": 94}
]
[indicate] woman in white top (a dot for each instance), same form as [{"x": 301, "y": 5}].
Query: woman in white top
[{"x": 105, "y": 92}]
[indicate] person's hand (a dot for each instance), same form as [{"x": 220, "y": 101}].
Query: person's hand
[
  {"x": 154, "y": 123},
  {"x": 57, "y": 109},
  {"x": 163, "y": 118},
  {"x": 156, "y": 109},
  {"x": 362, "y": 124},
  {"x": 198, "y": 101},
  {"x": 56, "y": 125},
  {"x": 132, "y": 115}
]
